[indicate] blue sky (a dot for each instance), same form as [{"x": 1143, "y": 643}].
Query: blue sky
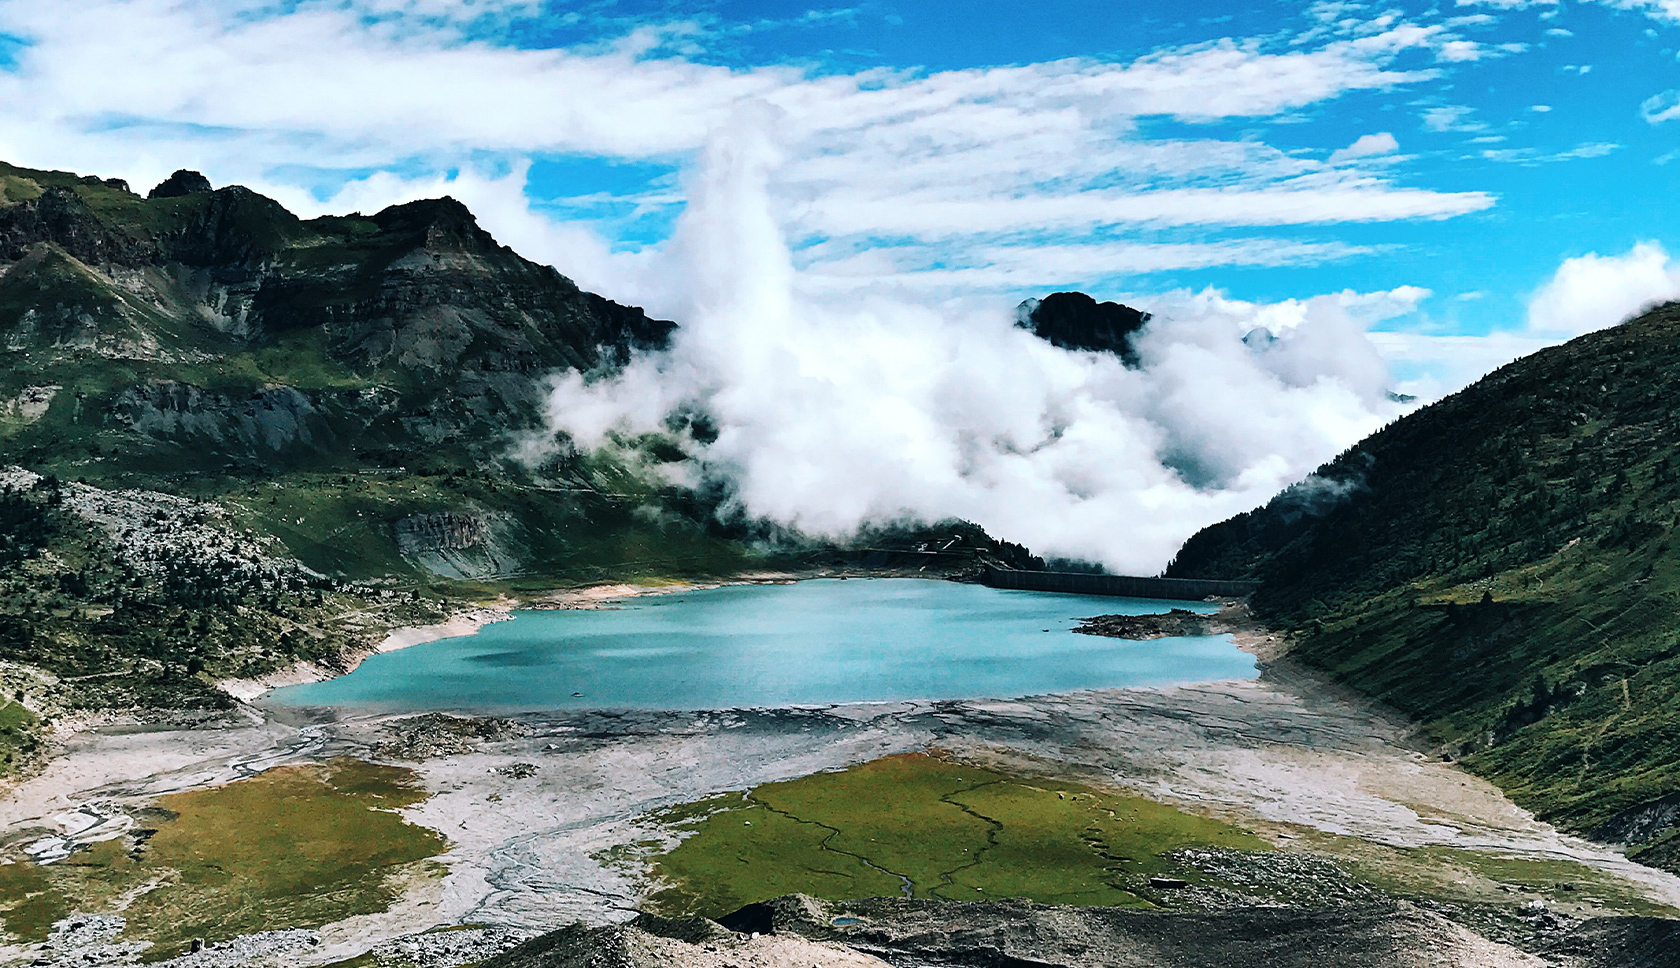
[
  {"x": 1543, "y": 111},
  {"x": 843, "y": 203}
]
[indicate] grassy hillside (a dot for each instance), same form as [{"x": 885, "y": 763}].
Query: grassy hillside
[{"x": 1502, "y": 565}]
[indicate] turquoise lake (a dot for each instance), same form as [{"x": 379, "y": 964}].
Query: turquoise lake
[{"x": 807, "y": 643}]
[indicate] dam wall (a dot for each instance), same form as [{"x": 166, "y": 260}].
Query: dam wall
[{"x": 1186, "y": 589}]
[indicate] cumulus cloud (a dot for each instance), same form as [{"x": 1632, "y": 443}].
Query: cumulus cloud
[
  {"x": 833, "y": 412},
  {"x": 1431, "y": 365},
  {"x": 1381, "y": 143},
  {"x": 1593, "y": 291}
]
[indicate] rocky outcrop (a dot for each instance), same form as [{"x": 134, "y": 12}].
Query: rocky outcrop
[
  {"x": 445, "y": 531},
  {"x": 183, "y": 182},
  {"x": 333, "y": 344},
  {"x": 1075, "y": 321},
  {"x": 798, "y": 930},
  {"x": 1620, "y": 943},
  {"x": 458, "y": 544},
  {"x": 654, "y": 942},
  {"x": 1175, "y": 622},
  {"x": 269, "y": 420},
  {"x": 60, "y": 216}
]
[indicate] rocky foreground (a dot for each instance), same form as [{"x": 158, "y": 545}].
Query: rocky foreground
[{"x": 798, "y": 930}]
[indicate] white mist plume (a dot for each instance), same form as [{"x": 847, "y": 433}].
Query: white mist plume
[
  {"x": 1594, "y": 291},
  {"x": 834, "y": 413}
]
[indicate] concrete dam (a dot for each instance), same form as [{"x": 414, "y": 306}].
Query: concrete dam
[{"x": 1126, "y": 586}]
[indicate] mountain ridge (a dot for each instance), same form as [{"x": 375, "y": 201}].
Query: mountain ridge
[{"x": 1501, "y": 565}]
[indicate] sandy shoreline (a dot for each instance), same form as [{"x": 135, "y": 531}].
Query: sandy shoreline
[
  {"x": 469, "y": 621},
  {"x": 465, "y": 622}
]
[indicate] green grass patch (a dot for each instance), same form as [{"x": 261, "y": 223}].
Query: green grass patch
[
  {"x": 18, "y": 727},
  {"x": 928, "y": 827},
  {"x": 296, "y": 846}
]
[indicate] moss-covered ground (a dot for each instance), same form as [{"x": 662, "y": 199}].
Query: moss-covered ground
[
  {"x": 296, "y": 846},
  {"x": 925, "y": 826}
]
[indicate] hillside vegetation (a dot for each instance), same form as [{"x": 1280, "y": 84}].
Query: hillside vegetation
[
  {"x": 1502, "y": 565},
  {"x": 232, "y": 439}
]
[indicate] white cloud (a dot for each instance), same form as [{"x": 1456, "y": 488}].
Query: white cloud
[
  {"x": 1365, "y": 146},
  {"x": 1014, "y": 267},
  {"x": 137, "y": 88},
  {"x": 1534, "y": 156},
  {"x": 1665, "y": 10},
  {"x": 1661, "y": 107},
  {"x": 1592, "y": 292},
  {"x": 846, "y": 384},
  {"x": 1451, "y": 117},
  {"x": 837, "y": 411},
  {"x": 1432, "y": 365},
  {"x": 1462, "y": 50},
  {"x": 1584, "y": 294}
]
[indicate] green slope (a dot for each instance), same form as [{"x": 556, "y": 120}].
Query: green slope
[{"x": 1501, "y": 565}]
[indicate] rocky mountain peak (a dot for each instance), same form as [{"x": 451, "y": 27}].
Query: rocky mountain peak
[
  {"x": 437, "y": 223},
  {"x": 183, "y": 182},
  {"x": 1075, "y": 321}
]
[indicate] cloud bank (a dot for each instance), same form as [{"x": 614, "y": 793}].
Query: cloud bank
[
  {"x": 1593, "y": 291},
  {"x": 834, "y": 412}
]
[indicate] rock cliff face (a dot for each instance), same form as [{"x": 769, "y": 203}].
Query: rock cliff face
[
  {"x": 204, "y": 332},
  {"x": 460, "y": 544},
  {"x": 417, "y": 287}
]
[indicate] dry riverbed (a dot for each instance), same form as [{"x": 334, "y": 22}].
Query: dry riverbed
[{"x": 536, "y": 809}]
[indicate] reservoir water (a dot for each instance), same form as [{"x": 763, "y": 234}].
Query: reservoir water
[{"x": 811, "y": 642}]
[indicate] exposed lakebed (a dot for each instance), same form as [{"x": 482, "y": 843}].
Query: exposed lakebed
[{"x": 811, "y": 642}]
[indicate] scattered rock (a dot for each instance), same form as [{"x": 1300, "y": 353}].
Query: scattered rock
[
  {"x": 437, "y": 734},
  {"x": 444, "y": 947},
  {"x": 654, "y": 942},
  {"x": 1169, "y": 624},
  {"x": 902, "y": 931},
  {"x": 266, "y": 947}
]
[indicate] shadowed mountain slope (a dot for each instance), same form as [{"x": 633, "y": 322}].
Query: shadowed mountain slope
[{"x": 1501, "y": 565}]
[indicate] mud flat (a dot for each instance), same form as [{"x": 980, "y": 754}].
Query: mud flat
[{"x": 535, "y": 806}]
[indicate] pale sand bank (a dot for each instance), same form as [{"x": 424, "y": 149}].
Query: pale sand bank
[
  {"x": 466, "y": 622},
  {"x": 469, "y": 621}
]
